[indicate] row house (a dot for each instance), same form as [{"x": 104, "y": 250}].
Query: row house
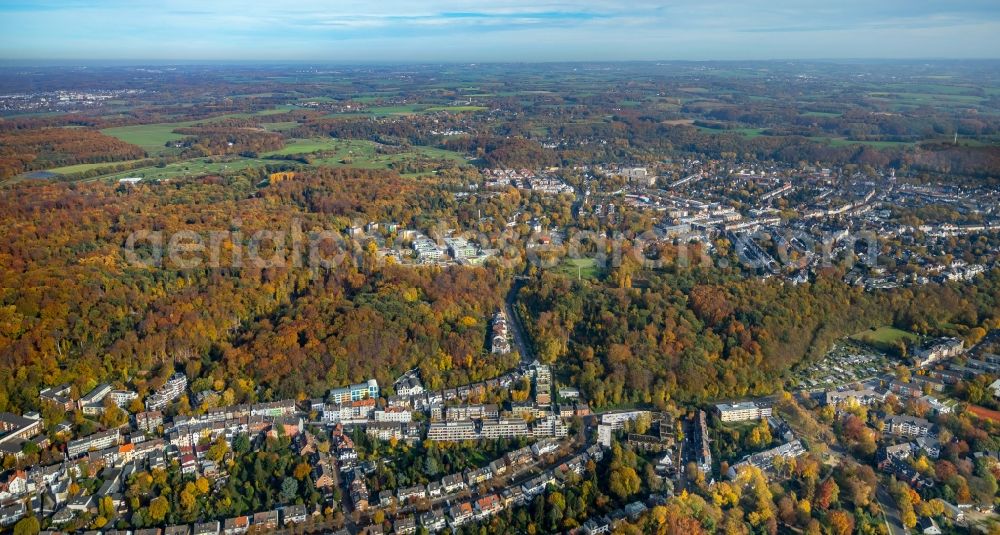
[
  {"x": 405, "y": 495},
  {"x": 236, "y": 526},
  {"x": 488, "y": 506},
  {"x": 537, "y": 485},
  {"x": 385, "y": 431},
  {"x": 460, "y": 514},
  {"x": 543, "y": 447},
  {"x": 358, "y": 411},
  {"x": 293, "y": 514},
  {"x": 148, "y": 421},
  {"x": 433, "y": 520},
  {"x": 394, "y": 414},
  {"x": 274, "y": 409},
  {"x": 452, "y": 483},
  {"x": 476, "y": 476},
  {"x": 359, "y": 492},
  {"x": 404, "y": 526},
  {"x": 512, "y": 497},
  {"x": 519, "y": 458},
  {"x": 905, "y": 389},
  {"x": 265, "y": 521}
]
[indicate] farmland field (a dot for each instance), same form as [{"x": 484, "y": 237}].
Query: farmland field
[{"x": 151, "y": 137}]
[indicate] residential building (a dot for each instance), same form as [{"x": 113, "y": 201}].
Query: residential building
[
  {"x": 743, "y": 411},
  {"x": 394, "y": 414},
  {"x": 293, "y": 514},
  {"x": 236, "y": 526},
  {"x": 460, "y": 514},
  {"x": 406, "y": 525},
  {"x": 14, "y": 429},
  {"x": 170, "y": 391},
  {"x": 122, "y": 397},
  {"x": 148, "y": 421},
  {"x": 265, "y": 521},
  {"x": 907, "y": 425},
  {"x": 97, "y": 441},
  {"x": 354, "y": 392},
  {"x": 452, "y": 431},
  {"x": 504, "y": 428},
  {"x": 409, "y": 384},
  {"x": 765, "y": 459},
  {"x": 206, "y": 528},
  {"x": 93, "y": 402},
  {"x": 433, "y": 520},
  {"x": 865, "y": 396},
  {"x": 59, "y": 395},
  {"x": 939, "y": 350}
]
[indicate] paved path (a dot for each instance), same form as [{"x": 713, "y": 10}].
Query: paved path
[{"x": 890, "y": 513}]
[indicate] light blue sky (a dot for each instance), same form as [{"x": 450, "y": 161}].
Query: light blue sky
[{"x": 497, "y": 30}]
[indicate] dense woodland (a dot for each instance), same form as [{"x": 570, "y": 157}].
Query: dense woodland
[
  {"x": 30, "y": 150},
  {"x": 210, "y": 140},
  {"x": 74, "y": 309},
  {"x": 696, "y": 336}
]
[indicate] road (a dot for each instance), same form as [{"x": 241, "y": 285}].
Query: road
[
  {"x": 516, "y": 328},
  {"x": 890, "y": 512}
]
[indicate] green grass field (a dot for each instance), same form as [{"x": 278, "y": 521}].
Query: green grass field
[
  {"x": 841, "y": 142},
  {"x": 363, "y": 155},
  {"x": 79, "y": 168},
  {"x": 194, "y": 167},
  {"x": 585, "y": 268},
  {"x": 456, "y": 108},
  {"x": 746, "y": 132},
  {"x": 151, "y": 137},
  {"x": 348, "y": 153},
  {"x": 305, "y": 146},
  {"x": 885, "y": 337}
]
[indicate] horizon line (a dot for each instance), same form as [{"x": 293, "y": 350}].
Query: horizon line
[{"x": 222, "y": 61}]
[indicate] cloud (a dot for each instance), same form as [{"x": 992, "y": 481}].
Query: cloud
[{"x": 505, "y": 29}]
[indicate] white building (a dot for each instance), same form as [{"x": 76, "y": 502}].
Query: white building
[{"x": 742, "y": 411}]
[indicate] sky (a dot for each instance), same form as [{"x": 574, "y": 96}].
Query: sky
[{"x": 496, "y": 30}]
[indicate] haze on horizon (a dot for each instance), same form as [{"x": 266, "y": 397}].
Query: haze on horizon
[{"x": 502, "y": 30}]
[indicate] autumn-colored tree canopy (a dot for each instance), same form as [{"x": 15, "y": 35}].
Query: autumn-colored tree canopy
[
  {"x": 76, "y": 309},
  {"x": 29, "y": 150}
]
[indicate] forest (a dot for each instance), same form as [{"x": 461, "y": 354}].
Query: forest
[
  {"x": 30, "y": 150},
  {"x": 694, "y": 336},
  {"x": 75, "y": 309}
]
